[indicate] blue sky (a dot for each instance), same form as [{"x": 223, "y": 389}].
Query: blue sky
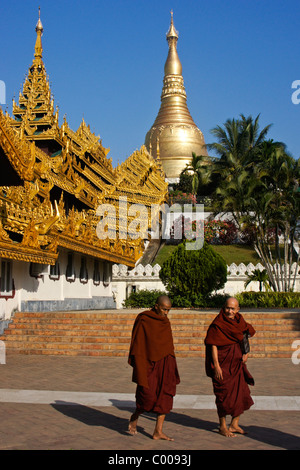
[{"x": 105, "y": 60}]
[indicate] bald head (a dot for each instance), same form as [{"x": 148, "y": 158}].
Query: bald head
[
  {"x": 231, "y": 307},
  {"x": 231, "y": 301},
  {"x": 163, "y": 305},
  {"x": 163, "y": 299}
]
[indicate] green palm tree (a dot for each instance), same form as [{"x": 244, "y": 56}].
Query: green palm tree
[
  {"x": 255, "y": 136},
  {"x": 231, "y": 139},
  {"x": 238, "y": 138},
  {"x": 238, "y": 141},
  {"x": 259, "y": 276},
  {"x": 193, "y": 168}
]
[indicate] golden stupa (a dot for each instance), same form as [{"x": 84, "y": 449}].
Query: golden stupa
[{"x": 174, "y": 136}]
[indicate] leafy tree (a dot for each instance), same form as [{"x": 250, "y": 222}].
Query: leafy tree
[
  {"x": 193, "y": 170},
  {"x": 185, "y": 183},
  {"x": 258, "y": 185},
  {"x": 239, "y": 139},
  {"x": 277, "y": 207},
  {"x": 191, "y": 275}
]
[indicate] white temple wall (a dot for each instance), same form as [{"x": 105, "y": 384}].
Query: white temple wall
[{"x": 43, "y": 290}]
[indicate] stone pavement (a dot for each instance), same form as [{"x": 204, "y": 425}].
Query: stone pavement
[{"x": 84, "y": 403}]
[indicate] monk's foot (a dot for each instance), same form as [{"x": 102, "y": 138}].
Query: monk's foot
[
  {"x": 237, "y": 429},
  {"x": 226, "y": 432},
  {"x": 160, "y": 435},
  {"x": 132, "y": 426}
]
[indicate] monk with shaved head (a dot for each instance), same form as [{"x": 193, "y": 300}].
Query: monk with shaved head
[
  {"x": 226, "y": 365},
  {"x": 154, "y": 365}
]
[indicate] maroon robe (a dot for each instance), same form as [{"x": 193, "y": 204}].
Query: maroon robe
[
  {"x": 162, "y": 379},
  {"x": 232, "y": 393},
  {"x": 154, "y": 365}
]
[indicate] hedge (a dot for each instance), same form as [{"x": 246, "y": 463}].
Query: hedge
[
  {"x": 146, "y": 299},
  {"x": 269, "y": 299},
  {"x": 142, "y": 299}
]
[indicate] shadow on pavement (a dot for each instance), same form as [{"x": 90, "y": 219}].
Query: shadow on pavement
[
  {"x": 273, "y": 437},
  {"x": 269, "y": 436},
  {"x": 91, "y": 416},
  {"x": 94, "y": 417}
]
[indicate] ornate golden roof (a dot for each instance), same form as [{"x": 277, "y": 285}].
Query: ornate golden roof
[
  {"x": 58, "y": 178},
  {"x": 174, "y": 136}
]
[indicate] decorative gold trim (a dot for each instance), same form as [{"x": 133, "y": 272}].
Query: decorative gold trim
[{"x": 65, "y": 176}]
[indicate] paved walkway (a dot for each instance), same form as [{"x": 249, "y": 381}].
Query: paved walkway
[{"x": 61, "y": 403}]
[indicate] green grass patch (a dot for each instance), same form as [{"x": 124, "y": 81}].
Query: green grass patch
[
  {"x": 231, "y": 253},
  {"x": 237, "y": 254},
  {"x": 163, "y": 254}
]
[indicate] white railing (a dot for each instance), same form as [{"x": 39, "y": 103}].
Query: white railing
[
  {"x": 125, "y": 280},
  {"x": 148, "y": 271},
  {"x": 120, "y": 270}
]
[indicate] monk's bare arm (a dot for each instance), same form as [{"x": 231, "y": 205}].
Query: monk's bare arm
[{"x": 218, "y": 370}]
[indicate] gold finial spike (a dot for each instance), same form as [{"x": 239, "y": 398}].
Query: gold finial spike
[
  {"x": 173, "y": 64},
  {"x": 39, "y": 26},
  {"x": 172, "y": 33},
  {"x": 38, "y": 50}
]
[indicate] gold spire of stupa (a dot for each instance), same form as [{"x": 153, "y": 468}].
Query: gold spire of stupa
[
  {"x": 35, "y": 112},
  {"x": 174, "y": 127},
  {"x": 38, "y": 50},
  {"x": 173, "y": 65}
]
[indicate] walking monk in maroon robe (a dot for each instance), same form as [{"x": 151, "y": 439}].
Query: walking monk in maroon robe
[
  {"x": 154, "y": 365},
  {"x": 226, "y": 365}
]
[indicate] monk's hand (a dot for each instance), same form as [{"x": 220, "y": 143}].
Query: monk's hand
[
  {"x": 218, "y": 373},
  {"x": 244, "y": 357}
]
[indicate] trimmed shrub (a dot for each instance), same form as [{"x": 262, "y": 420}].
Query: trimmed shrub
[{"x": 190, "y": 276}]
